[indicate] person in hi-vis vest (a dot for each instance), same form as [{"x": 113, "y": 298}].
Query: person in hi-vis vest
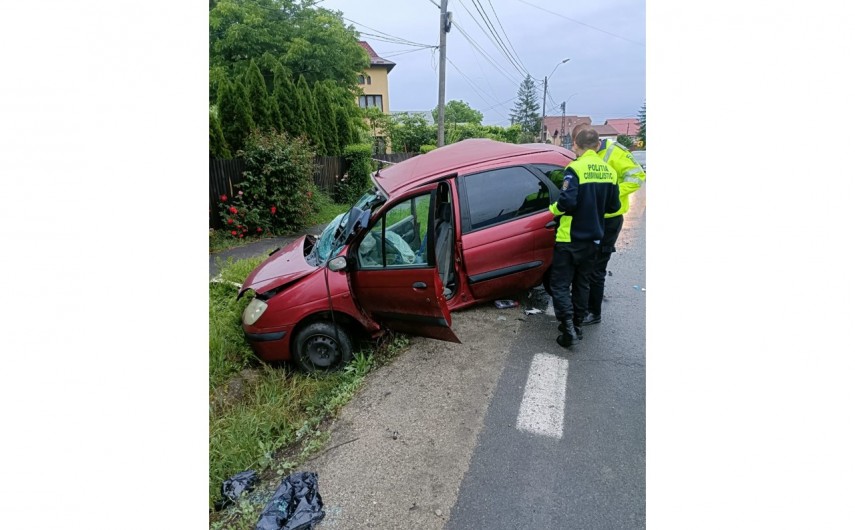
[
  {"x": 588, "y": 193},
  {"x": 630, "y": 178}
]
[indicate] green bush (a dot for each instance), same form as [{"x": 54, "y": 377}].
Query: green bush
[
  {"x": 276, "y": 193},
  {"x": 357, "y": 177},
  {"x": 426, "y": 148}
]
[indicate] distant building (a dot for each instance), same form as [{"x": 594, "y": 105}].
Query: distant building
[
  {"x": 559, "y": 128},
  {"x": 374, "y": 84},
  {"x": 606, "y": 132},
  {"x": 626, "y": 126}
]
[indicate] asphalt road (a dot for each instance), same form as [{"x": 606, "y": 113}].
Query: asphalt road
[
  {"x": 506, "y": 429},
  {"x": 589, "y": 472}
]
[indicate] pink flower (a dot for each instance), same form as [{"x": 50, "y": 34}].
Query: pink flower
[{"x": 273, "y": 210}]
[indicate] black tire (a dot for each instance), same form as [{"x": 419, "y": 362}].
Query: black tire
[{"x": 322, "y": 347}]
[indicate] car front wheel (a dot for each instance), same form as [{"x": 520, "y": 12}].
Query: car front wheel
[{"x": 323, "y": 346}]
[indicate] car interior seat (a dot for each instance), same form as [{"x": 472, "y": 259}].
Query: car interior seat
[{"x": 445, "y": 247}]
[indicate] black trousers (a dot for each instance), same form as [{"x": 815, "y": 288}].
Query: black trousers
[
  {"x": 572, "y": 264},
  {"x": 601, "y": 262}
]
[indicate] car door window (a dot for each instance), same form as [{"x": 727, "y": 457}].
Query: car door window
[
  {"x": 503, "y": 194},
  {"x": 555, "y": 173},
  {"x": 398, "y": 238}
]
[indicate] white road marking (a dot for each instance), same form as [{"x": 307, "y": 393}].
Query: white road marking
[{"x": 542, "y": 408}]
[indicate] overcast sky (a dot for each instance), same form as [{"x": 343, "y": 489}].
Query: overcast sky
[{"x": 605, "y": 42}]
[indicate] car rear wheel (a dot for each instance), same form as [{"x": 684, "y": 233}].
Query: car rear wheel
[{"x": 323, "y": 346}]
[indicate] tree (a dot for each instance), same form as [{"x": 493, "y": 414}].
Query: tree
[
  {"x": 259, "y": 99},
  {"x": 411, "y": 131},
  {"x": 624, "y": 140},
  {"x": 275, "y": 115},
  {"x": 285, "y": 95},
  {"x": 307, "y": 39},
  {"x": 525, "y": 111},
  {"x": 379, "y": 124},
  {"x": 642, "y": 130},
  {"x": 234, "y": 112},
  {"x": 328, "y": 124},
  {"x": 457, "y": 111},
  {"x": 309, "y": 118},
  {"x": 216, "y": 141}
]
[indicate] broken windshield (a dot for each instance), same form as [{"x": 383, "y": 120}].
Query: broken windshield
[{"x": 333, "y": 237}]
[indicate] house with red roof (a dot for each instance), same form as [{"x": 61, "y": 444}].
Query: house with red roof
[
  {"x": 559, "y": 128},
  {"x": 627, "y": 126}
]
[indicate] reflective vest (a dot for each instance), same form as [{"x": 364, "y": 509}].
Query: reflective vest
[
  {"x": 589, "y": 196},
  {"x": 630, "y": 173}
]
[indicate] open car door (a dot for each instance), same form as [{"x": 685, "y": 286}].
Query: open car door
[{"x": 396, "y": 279}]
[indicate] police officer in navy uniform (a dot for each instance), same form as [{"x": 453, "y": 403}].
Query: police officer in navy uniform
[
  {"x": 631, "y": 177},
  {"x": 589, "y": 192}
]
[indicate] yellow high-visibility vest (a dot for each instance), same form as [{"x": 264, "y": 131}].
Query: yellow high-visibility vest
[{"x": 630, "y": 173}]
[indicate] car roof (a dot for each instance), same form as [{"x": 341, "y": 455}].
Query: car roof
[{"x": 450, "y": 159}]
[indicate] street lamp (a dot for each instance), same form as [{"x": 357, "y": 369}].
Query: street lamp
[{"x": 543, "y": 115}]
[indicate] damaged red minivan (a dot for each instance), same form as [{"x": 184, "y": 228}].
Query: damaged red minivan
[{"x": 461, "y": 225}]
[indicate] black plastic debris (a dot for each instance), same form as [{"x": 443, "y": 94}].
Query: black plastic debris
[
  {"x": 233, "y": 486},
  {"x": 296, "y": 504}
]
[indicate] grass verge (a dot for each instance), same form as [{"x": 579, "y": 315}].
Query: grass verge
[{"x": 263, "y": 417}]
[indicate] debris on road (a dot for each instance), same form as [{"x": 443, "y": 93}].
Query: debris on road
[
  {"x": 533, "y": 311},
  {"x": 504, "y": 304},
  {"x": 233, "y": 486},
  {"x": 296, "y": 504}
]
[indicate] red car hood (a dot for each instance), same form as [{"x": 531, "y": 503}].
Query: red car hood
[{"x": 284, "y": 266}]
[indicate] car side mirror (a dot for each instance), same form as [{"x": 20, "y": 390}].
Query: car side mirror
[{"x": 337, "y": 264}]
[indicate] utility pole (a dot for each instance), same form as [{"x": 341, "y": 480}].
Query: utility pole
[
  {"x": 444, "y": 26},
  {"x": 543, "y": 116}
]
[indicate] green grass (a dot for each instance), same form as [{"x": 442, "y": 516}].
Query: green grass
[
  {"x": 326, "y": 210},
  {"x": 263, "y": 417}
]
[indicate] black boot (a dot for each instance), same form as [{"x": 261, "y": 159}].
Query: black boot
[
  {"x": 568, "y": 337},
  {"x": 591, "y": 318},
  {"x": 576, "y": 326}
]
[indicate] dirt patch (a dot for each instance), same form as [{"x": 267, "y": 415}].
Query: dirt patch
[{"x": 235, "y": 389}]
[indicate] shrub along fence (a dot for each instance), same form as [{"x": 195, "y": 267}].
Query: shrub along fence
[{"x": 225, "y": 174}]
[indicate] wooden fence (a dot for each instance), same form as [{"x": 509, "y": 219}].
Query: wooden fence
[{"x": 225, "y": 174}]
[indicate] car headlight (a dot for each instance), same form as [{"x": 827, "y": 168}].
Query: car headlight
[{"x": 253, "y": 311}]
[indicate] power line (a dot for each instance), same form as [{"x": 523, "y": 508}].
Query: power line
[
  {"x": 399, "y": 40},
  {"x": 477, "y": 90},
  {"x": 486, "y": 17},
  {"x": 495, "y": 37},
  {"x": 582, "y": 23},
  {"x": 484, "y": 54},
  {"x": 517, "y": 55},
  {"x": 403, "y": 52},
  {"x": 491, "y": 38},
  {"x": 395, "y": 41}
]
